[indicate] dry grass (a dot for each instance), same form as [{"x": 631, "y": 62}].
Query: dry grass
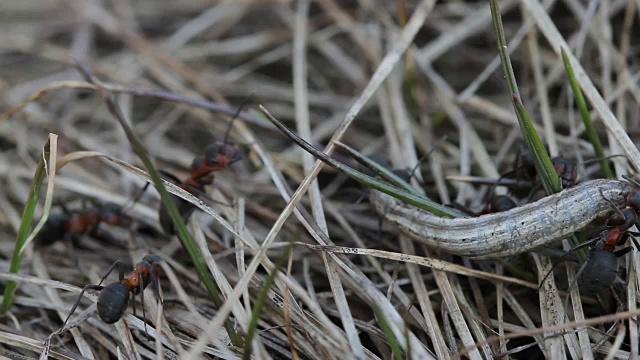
[{"x": 399, "y": 79}]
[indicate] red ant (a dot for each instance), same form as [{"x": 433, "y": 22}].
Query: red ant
[
  {"x": 600, "y": 269},
  {"x": 59, "y": 226},
  {"x": 114, "y": 298},
  {"x": 217, "y": 156},
  {"x": 566, "y": 169}
]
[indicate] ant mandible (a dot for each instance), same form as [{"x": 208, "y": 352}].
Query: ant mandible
[{"x": 114, "y": 298}]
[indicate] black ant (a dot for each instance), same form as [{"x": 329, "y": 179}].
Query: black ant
[
  {"x": 72, "y": 224},
  {"x": 114, "y": 298}
]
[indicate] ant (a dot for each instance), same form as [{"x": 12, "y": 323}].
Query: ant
[
  {"x": 217, "y": 156},
  {"x": 499, "y": 203},
  {"x": 600, "y": 269},
  {"x": 566, "y": 169},
  {"x": 114, "y": 298},
  {"x": 59, "y": 226}
]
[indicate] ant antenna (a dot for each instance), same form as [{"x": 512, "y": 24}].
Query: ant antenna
[
  {"x": 244, "y": 102},
  {"x": 615, "y": 208},
  {"x": 137, "y": 198},
  {"x": 584, "y": 244},
  {"x": 425, "y": 156},
  {"x": 631, "y": 180},
  {"x": 586, "y": 162}
]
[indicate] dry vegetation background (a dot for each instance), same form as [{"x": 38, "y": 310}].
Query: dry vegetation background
[{"x": 312, "y": 65}]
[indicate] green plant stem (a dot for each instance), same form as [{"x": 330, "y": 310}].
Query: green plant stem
[
  {"x": 590, "y": 130},
  {"x": 25, "y": 227}
]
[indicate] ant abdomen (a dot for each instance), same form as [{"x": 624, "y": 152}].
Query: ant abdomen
[
  {"x": 185, "y": 209},
  {"x": 52, "y": 231},
  {"x": 113, "y": 302},
  {"x": 600, "y": 272}
]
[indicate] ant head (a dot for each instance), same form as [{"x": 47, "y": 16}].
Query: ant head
[
  {"x": 626, "y": 217},
  {"x": 152, "y": 259},
  {"x": 633, "y": 199},
  {"x": 616, "y": 220},
  {"x": 113, "y": 214},
  {"x": 112, "y": 302},
  {"x": 502, "y": 203},
  {"x": 155, "y": 269},
  {"x": 218, "y": 155},
  {"x": 566, "y": 169}
]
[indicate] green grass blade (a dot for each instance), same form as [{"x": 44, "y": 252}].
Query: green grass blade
[
  {"x": 584, "y": 112},
  {"x": 25, "y": 227},
  {"x": 259, "y": 302},
  {"x": 550, "y": 179},
  {"x": 385, "y": 173},
  {"x": 541, "y": 159},
  {"x": 188, "y": 243},
  {"x": 396, "y": 349},
  {"x": 409, "y": 198}
]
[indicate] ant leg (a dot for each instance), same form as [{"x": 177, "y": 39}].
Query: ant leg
[
  {"x": 575, "y": 279},
  {"x": 361, "y": 198},
  {"x": 464, "y": 209},
  {"x": 117, "y": 264},
  {"x": 615, "y": 208},
  {"x": 631, "y": 180},
  {"x": 623, "y": 251},
  {"x": 75, "y": 306},
  {"x": 584, "y": 244},
  {"x": 138, "y": 196},
  {"x": 155, "y": 282},
  {"x": 144, "y": 315},
  {"x": 534, "y": 190},
  {"x": 133, "y": 303},
  {"x": 169, "y": 177},
  {"x": 633, "y": 234},
  {"x": 65, "y": 210},
  {"x": 625, "y": 236}
]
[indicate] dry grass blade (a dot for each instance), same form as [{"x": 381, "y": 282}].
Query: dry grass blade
[
  {"x": 422, "y": 261},
  {"x": 568, "y": 325},
  {"x": 304, "y": 127},
  {"x": 558, "y": 43}
]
